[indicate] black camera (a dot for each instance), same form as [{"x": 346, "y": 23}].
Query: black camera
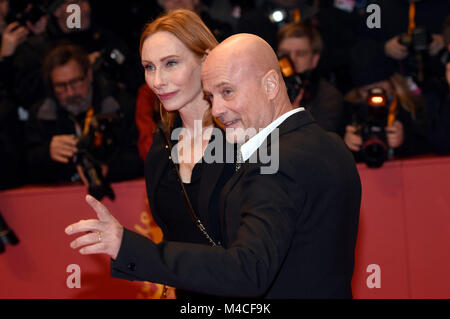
[
  {"x": 372, "y": 128},
  {"x": 95, "y": 148},
  {"x": 7, "y": 236},
  {"x": 294, "y": 81},
  {"x": 418, "y": 41},
  {"x": 111, "y": 62}
]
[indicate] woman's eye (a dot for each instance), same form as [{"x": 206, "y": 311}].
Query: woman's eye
[
  {"x": 172, "y": 63},
  {"x": 226, "y": 92},
  {"x": 149, "y": 67}
]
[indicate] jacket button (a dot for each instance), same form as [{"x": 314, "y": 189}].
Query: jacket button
[{"x": 132, "y": 266}]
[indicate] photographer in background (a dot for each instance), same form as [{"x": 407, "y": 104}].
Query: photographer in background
[
  {"x": 403, "y": 113},
  {"x": 77, "y": 97},
  {"x": 107, "y": 52},
  {"x": 410, "y": 35},
  {"x": 12, "y": 35},
  {"x": 303, "y": 45}
]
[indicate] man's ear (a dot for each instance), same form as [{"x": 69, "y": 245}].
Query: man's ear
[{"x": 271, "y": 82}]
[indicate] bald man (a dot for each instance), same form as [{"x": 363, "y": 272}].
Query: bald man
[{"x": 288, "y": 234}]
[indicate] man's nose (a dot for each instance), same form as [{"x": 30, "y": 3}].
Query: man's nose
[
  {"x": 69, "y": 90},
  {"x": 217, "y": 109}
]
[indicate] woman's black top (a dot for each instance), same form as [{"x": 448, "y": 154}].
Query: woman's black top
[{"x": 172, "y": 209}]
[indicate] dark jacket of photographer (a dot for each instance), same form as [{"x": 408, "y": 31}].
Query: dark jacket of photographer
[
  {"x": 11, "y": 133},
  {"x": 49, "y": 119},
  {"x": 11, "y": 148},
  {"x": 438, "y": 106},
  {"x": 324, "y": 102}
]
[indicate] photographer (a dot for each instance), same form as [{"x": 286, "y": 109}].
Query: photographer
[
  {"x": 303, "y": 45},
  {"x": 410, "y": 35},
  {"x": 403, "y": 114},
  {"x": 12, "y": 35},
  {"x": 78, "y": 96},
  {"x": 98, "y": 42}
]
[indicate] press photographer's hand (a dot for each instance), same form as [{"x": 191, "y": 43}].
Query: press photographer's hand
[
  {"x": 12, "y": 37},
  {"x": 94, "y": 56},
  {"x": 352, "y": 139},
  {"x": 104, "y": 234},
  {"x": 395, "y": 50},
  {"x": 394, "y": 134},
  {"x": 63, "y": 147},
  {"x": 437, "y": 44}
]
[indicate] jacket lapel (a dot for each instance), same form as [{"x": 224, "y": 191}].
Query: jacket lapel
[{"x": 224, "y": 198}]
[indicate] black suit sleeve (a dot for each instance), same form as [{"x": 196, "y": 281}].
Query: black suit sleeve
[{"x": 269, "y": 210}]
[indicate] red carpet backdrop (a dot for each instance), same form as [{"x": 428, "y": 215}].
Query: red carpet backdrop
[{"x": 402, "y": 249}]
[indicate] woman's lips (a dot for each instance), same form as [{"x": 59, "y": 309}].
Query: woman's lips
[{"x": 167, "y": 96}]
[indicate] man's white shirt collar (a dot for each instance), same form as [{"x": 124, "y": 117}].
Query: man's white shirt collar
[{"x": 249, "y": 147}]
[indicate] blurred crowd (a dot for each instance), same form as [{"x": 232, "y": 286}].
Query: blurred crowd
[{"x": 74, "y": 107}]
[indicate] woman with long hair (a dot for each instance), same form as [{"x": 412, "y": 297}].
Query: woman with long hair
[{"x": 173, "y": 48}]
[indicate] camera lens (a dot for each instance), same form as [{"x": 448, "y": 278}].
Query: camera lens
[{"x": 375, "y": 152}]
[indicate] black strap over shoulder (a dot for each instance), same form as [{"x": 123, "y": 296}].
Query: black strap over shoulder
[{"x": 187, "y": 201}]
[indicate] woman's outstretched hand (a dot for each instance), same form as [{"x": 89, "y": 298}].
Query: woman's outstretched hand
[{"x": 104, "y": 235}]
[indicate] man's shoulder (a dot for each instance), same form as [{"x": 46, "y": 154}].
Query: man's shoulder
[
  {"x": 47, "y": 110},
  {"x": 311, "y": 146}
]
